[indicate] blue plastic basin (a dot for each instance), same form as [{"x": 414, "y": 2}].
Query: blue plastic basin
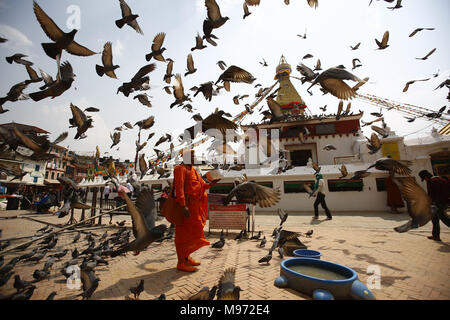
[{"x": 305, "y": 253}]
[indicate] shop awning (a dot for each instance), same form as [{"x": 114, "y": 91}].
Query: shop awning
[{"x": 51, "y": 181}]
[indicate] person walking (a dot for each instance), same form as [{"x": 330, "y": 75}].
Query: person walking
[
  {"x": 106, "y": 192},
  {"x": 438, "y": 191},
  {"x": 190, "y": 193},
  {"x": 319, "y": 193}
]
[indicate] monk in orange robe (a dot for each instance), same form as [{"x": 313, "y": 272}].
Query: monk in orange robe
[{"x": 190, "y": 192}]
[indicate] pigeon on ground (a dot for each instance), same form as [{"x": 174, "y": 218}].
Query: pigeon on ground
[
  {"x": 263, "y": 242},
  {"x": 138, "y": 289},
  {"x": 266, "y": 258},
  {"x": 226, "y": 289}
]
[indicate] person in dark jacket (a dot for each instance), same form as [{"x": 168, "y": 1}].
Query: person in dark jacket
[{"x": 438, "y": 191}]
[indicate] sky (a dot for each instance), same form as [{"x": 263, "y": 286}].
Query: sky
[{"x": 269, "y": 32}]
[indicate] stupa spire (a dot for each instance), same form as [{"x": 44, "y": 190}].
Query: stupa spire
[{"x": 288, "y": 97}]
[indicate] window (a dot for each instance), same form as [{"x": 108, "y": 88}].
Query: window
[
  {"x": 157, "y": 187},
  {"x": 268, "y": 184},
  {"x": 345, "y": 185},
  {"x": 35, "y": 179},
  {"x": 37, "y": 167},
  {"x": 297, "y": 186},
  {"x": 326, "y": 128},
  {"x": 223, "y": 188},
  {"x": 381, "y": 184},
  {"x": 53, "y": 175},
  {"x": 46, "y": 174}
]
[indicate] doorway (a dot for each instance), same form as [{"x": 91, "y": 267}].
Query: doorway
[{"x": 299, "y": 158}]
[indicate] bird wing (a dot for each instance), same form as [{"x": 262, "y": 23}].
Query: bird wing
[
  {"x": 430, "y": 53},
  {"x": 48, "y": 25},
  {"x": 226, "y": 282},
  {"x": 31, "y": 72},
  {"x": 126, "y": 11},
  {"x": 79, "y": 50},
  {"x": 313, "y": 3},
  {"x": 275, "y": 108},
  {"x": 107, "y": 54},
  {"x": 29, "y": 143},
  {"x": 374, "y": 140},
  {"x": 418, "y": 198},
  {"x": 338, "y": 88},
  {"x": 385, "y": 39},
  {"x": 145, "y": 203},
  {"x": 169, "y": 68},
  {"x": 305, "y": 71},
  {"x": 144, "y": 71},
  {"x": 190, "y": 63},
  {"x": 237, "y": 74},
  {"x": 213, "y": 10},
  {"x": 78, "y": 115},
  {"x": 253, "y": 2},
  {"x": 86, "y": 279},
  {"x": 415, "y": 31},
  {"x": 158, "y": 41},
  {"x": 265, "y": 196},
  {"x": 217, "y": 121},
  {"x": 61, "y": 137},
  {"x": 66, "y": 71},
  {"x": 178, "y": 87},
  {"x": 203, "y": 294}
]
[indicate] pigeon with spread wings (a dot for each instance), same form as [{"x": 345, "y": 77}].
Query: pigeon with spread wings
[
  {"x": 384, "y": 42},
  {"x": 235, "y": 74},
  {"x": 178, "y": 92},
  {"x": 108, "y": 66},
  {"x": 227, "y": 290},
  {"x": 58, "y": 87},
  {"x": 143, "y": 218},
  {"x": 128, "y": 18},
  {"x": 395, "y": 166},
  {"x": 253, "y": 193},
  {"x": 79, "y": 120},
  {"x": 157, "y": 49},
  {"x": 62, "y": 40},
  {"x": 214, "y": 121},
  {"x": 419, "y": 203},
  {"x": 331, "y": 81}
]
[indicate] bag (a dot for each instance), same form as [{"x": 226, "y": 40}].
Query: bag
[{"x": 171, "y": 209}]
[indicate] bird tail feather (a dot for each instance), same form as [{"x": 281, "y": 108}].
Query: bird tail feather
[
  {"x": 100, "y": 70},
  {"x": 9, "y": 59},
  {"x": 120, "y": 23},
  {"x": 51, "y": 50}
]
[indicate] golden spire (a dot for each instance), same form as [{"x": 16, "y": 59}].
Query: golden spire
[{"x": 287, "y": 96}]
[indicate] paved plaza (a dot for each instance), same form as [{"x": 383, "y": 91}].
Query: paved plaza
[{"x": 410, "y": 265}]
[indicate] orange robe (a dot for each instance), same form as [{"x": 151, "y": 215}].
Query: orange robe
[{"x": 190, "y": 191}]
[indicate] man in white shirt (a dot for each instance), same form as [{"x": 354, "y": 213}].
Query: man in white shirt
[
  {"x": 106, "y": 192},
  {"x": 318, "y": 192}
]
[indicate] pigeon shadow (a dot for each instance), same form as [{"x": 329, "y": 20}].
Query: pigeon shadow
[{"x": 372, "y": 260}]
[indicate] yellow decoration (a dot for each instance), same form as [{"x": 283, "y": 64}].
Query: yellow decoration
[{"x": 390, "y": 148}]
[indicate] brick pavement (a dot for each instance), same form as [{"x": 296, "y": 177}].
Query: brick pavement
[{"x": 411, "y": 266}]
